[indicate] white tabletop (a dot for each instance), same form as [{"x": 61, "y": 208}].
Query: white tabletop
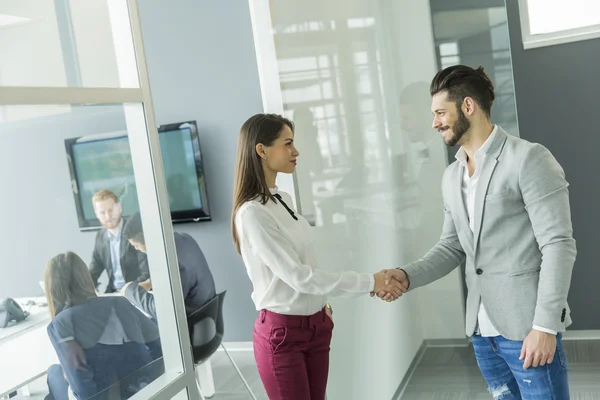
[
  {"x": 39, "y": 315},
  {"x": 25, "y": 349}
]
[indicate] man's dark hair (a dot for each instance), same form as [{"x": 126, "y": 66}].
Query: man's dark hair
[
  {"x": 133, "y": 229},
  {"x": 461, "y": 81}
]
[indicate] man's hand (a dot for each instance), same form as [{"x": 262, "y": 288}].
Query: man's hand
[
  {"x": 124, "y": 288},
  {"x": 147, "y": 284},
  {"x": 391, "y": 275},
  {"x": 538, "y": 349},
  {"x": 387, "y": 287}
]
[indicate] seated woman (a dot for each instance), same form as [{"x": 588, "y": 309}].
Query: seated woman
[{"x": 98, "y": 340}]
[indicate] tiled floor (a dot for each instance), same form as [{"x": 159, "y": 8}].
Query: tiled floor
[
  {"x": 444, "y": 373},
  {"x": 228, "y": 385},
  {"x": 451, "y": 373}
]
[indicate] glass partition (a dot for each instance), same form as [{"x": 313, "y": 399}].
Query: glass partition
[{"x": 68, "y": 317}]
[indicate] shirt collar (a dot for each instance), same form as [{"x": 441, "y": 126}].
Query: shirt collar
[
  {"x": 274, "y": 190},
  {"x": 461, "y": 154}
]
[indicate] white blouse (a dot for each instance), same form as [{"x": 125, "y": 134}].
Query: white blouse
[{"x": 279, "y": 255}]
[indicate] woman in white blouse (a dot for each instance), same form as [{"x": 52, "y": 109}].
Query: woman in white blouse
[{"x": 293, "y": 331}]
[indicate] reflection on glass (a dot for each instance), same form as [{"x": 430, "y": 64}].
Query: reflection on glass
[
  {"x": 85, "y": 334},
  {"x": 355, "y": 79},
  {"x": 103, "y": 162},
  {"x": 369, "y": 168},
  {"x": 483, "y": 42},
  {"x": 65, "y": 43}
]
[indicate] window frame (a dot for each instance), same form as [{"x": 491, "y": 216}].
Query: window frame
[{"x": 532, "y": 41}]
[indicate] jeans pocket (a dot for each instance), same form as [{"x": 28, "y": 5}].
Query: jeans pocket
[
  {"x": 277, "y": 337},
  {"x": 562, "y": 358}
]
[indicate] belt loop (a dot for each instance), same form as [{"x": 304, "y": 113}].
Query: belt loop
[{"x": 263, "y": 314}]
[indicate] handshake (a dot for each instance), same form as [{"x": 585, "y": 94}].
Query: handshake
[{"x": 390, "y": 284}]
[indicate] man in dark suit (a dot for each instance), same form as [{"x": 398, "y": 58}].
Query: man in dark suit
[
  {"x": 113, "y": 253},
  {"x": 197, "y": 282}
]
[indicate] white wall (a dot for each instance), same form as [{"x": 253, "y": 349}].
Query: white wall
[
  {"x": 39, "y": 216},
  {"x": 202, "y": 67}
]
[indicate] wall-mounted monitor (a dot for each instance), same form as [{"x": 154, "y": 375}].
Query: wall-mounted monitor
[{"x": 104, "y": 162}]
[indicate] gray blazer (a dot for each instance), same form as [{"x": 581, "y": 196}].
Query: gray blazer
[{"x": 520, "y": 259}]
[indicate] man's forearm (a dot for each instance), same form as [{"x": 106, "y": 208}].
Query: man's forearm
[
  {"x": 437, "y": 263},
  {"x": 555, "y": 281}
]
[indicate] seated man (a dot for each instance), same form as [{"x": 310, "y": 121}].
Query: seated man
[
  {"x": 196, "y": 279},
  {"x": 112, "y": 253}
]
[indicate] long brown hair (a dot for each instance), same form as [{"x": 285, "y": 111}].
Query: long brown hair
[
  {"x": 250, "y": 182},
  {"x": 67, "y": 282}
]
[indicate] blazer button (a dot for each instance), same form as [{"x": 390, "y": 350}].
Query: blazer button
[{"x": 479, "y": 271}]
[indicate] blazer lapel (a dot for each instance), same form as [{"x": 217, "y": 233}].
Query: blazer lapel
[
  {"x": 489, "y": 165},
  {"x": 458, "y": 199},
  {"x": 123, "y": 249}
]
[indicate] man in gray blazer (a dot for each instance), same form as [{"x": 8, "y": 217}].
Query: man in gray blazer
[
  {"x": 507, "y": 216},
  {"x": 197, "y": 283}
]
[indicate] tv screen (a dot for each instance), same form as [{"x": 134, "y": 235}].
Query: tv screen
[{"x": 104, "y": 162}]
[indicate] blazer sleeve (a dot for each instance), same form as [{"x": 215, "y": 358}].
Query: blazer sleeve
[
  {"x": 546, "y": 197},
  {"x": 97, "y": 266},
  {"x": 443, "y": 258},
  {"x": 81, "y": 379},
  {"x": 143, "y": 265}
]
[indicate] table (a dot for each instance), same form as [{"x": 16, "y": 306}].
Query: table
[
  {"x": 25, "y": 349},
  {"x": 38, "y": 315}
]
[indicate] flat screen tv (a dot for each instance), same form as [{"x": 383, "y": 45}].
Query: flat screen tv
[{"x": 104, "y": 162}]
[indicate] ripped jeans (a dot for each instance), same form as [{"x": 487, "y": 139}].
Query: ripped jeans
[{"x": 498, "y": 360}]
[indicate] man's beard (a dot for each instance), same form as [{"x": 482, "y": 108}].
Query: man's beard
[{"x": 460, "y": 127}]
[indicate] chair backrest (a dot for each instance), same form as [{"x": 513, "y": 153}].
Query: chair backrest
[{"x": 206, "y": 328}]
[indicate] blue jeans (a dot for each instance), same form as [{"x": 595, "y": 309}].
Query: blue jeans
[
  {"x": 58, "y": 385},
  {"x": 498, "y": 360}
]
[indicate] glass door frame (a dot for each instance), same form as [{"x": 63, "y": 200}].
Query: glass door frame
[{"x": 179, "y": 379}]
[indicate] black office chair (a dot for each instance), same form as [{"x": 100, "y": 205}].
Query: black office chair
[{"x": 206, "y": 330}]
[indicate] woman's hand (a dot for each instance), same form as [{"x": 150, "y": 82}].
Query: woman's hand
[
  {"x": 329, "y": 312},
  {"x": 76, "y": 355}
]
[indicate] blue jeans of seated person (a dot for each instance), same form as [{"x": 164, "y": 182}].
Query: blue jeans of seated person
[
  {"x": 107, "y": 364},
  {"x": 498, "y": 360},
  {"x": 58, "y": 385}
]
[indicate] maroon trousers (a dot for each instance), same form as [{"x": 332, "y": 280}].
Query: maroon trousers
[{"x": 292, "y": 354}]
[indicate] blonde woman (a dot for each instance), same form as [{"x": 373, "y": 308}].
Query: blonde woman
[
  {"x": 294, "y": 327},
  {"x": 98, "y": 340}
]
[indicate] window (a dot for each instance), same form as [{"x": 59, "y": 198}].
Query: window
[
  {"x": 449, "y": 54},
  {"x": 549, "y": 22}
]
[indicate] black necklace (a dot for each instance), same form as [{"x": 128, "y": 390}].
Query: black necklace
[{"x": 278, "y": 197}]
